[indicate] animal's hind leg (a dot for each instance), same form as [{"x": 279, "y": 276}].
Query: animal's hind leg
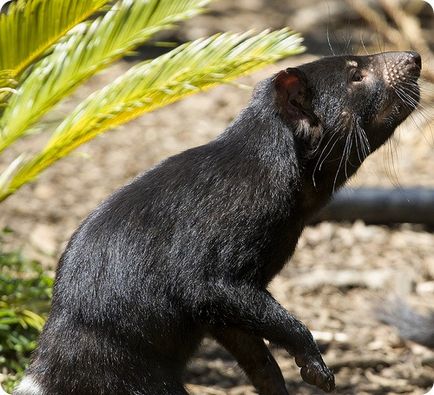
[{"x": 255, "y": 359}]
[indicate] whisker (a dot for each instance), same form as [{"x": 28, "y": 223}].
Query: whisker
[
  {"x": 340, "y": 162},
  {"x": 389, "y": 161},
  {"x": 408, "y": 89},
  {"x": 329, "y": 152},
  {"x": 329, "y": 42},
  {"x": 319, "y": 163},
  {"x": 363, "y": 44},
  {"x": 364, "y": 145},
  {"x": 348, "y": 152},
  {"x": 358, "y": 147},
  {"x": 367, "y": 146},
  {"x": 406, "y": 98}
]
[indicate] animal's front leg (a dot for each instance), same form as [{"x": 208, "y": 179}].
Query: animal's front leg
[
  {"x": 254, "y": 358},
  {"x": 255, "y": 311}
]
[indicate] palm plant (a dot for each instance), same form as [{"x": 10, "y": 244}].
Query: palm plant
[{"x": 49, "y": 47}]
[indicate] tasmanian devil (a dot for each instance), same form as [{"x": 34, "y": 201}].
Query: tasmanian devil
[{"x": 189, "y": 247}]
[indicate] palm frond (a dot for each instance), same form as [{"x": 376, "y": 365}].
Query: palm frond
[
  {"x": 87, "y": 49},
  {"x": 7, "y": 85},
  {"x": 186, "y": 70},
  {"x": 25, "y": 34}
]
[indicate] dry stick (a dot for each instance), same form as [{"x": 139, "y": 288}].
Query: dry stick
[
  {"x": 428, "y": 361},
  {"x": 361, "y": 362},
  {"x": 410, "y": 27},
  {"x": 204, "y": 390},
  {"x": 391, "y": 382},
  {"x": 376, "y": 20}
]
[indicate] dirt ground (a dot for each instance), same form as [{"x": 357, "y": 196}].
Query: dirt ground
[{"x": 339, "y": 273}]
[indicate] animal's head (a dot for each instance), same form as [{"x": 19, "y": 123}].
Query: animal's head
[{"x": 348, "y": 106}]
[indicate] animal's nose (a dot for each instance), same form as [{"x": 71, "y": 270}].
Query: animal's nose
[{"x": 414, "y": 57}]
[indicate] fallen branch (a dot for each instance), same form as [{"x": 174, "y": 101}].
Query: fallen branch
[
  {"x": 371, "y": 279},
  {"x": 381, "y": 206},
  {"x": 361, "y": 362}
]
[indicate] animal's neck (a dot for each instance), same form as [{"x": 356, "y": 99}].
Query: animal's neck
[
  {"x": 258, "y": 131},
  {"x": 327, "y": 170}
]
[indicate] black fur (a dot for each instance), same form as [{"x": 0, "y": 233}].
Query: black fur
[{"x": 189, "y": 247}]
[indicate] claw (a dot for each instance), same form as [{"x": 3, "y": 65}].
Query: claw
[{"x": 316, "y": 373}]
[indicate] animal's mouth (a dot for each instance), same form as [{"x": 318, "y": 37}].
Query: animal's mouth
[
  {"x": 408, "y": 92},
  {"x": 403, "y": 99},
  {"x": 401, "y": 76},
  {"x": 415, "y": 67},
  {"x": 412, "y": 66}
]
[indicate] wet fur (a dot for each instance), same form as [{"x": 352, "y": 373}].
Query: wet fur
[{"x": 189, "y": 247}]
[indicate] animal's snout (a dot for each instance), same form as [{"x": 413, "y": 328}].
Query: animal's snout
[
  {"x": 413, "y": 59},
  {"x": 400, "y": 67},
  {"x": 417, "y": 59}
]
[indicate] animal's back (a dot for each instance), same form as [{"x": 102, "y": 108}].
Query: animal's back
[
  {"x": 118, "y": 272},
  {"x": 111, "y": 286}
]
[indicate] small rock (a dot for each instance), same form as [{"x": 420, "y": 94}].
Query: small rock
[{"x": 425, "y": 288}]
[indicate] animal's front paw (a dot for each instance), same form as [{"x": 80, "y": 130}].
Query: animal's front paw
[{"x": 314, "y": 371}]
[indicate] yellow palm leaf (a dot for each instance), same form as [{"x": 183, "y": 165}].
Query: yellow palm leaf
[
  {"x": 30, "y": 27},
  {"x": 187, "y": 69},
  {"x": 88, "y": 48}
]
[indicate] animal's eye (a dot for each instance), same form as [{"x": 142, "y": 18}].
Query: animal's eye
[{"x": 356, "y": 75}]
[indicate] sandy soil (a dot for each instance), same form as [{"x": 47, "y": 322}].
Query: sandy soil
[{"x": 339, "y": 273}]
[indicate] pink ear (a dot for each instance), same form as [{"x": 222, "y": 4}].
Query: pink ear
[
  {"x": 288, "y": 82},
  {"x": 290, "y": 85}
]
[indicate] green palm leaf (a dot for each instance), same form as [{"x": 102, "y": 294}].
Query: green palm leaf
[
  {"x": 88, "y": 48},
  {"x": 183, "y": 71},
  {"x": 25, "y": 34},
  {"x": 7, "y": 84}
]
